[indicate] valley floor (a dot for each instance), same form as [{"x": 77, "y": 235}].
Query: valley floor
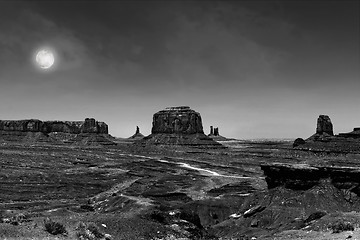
[{"x": 141, "y": 192}]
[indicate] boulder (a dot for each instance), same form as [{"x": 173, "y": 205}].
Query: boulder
[{"x": 298, "y": 142}]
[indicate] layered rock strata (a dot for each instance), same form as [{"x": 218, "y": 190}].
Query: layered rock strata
[
  {"x": 324, "y": 139},
  {"x": 304, "y": 176},
  {"x": 179, "y": 126},
  {"x": 88, "y": 132},
  {"x": 354, "y": 134},
  {"x": 324, "y": 125},
  {"x": 180, "y": 120},
  {"x": 35, "y": 125}
]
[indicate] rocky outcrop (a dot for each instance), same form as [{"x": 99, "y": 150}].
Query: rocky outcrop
[
  {"x": 137, "y": 135},
  {"x": 324, "y": 125},
  {"x": 179, "y": 126},
  {"x": 324, "y": 129},
  {"x": 304, "y": 176},
  {"x": 214, "y": 131},
  {"x": 324, "y": 139},
  {"x": 214, "y": 134},
  {"x": 298, "y": 142}
]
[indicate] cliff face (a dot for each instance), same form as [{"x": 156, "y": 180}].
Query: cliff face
[
  {"x": 324, "y": 125},
  {"x": 74, "y": 127},
  {"x": 177, "y": 120},
  {"x": 303, "y": 176},
  {"x": 324, "y": 139},
  {"x": 354, "y": 134},
  {"x": 88, "y": 132},
  {"x": 179, "y": 126}
]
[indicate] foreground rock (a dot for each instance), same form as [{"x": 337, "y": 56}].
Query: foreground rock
[
  {"x": 304, "y": 176},
  {"x": 88, "y": 132},
  {"x": 179, "y": 126}
]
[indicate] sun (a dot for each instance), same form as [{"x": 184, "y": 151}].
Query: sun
[{"x": 45, "y": 58}]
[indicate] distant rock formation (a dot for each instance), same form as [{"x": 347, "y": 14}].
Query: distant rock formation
[
  {"x": 324, "y": 125},
  {"x": 35, "y": 125},
  {"x": 354, "y": 134},
  {"x": 214, "y": 134},
  {"x": 211, "y": 131},
  {"x": 137, "y": 135},
  {"x": 88, "y": 132},
  {"x": 324, "y": 139},
  {"x": 179, "y": 126},
  {"x": 216, "y": 131},
  {"x": 324, "y": 129},
  {"x": 177, "y": 120}
]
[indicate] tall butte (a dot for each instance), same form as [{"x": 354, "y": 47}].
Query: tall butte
[{"x": 179, "y": 126}]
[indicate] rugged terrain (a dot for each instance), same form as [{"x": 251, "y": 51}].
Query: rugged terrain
[
  {"x": 177, "y": 183},
  {"x": 153, "y": 192}
]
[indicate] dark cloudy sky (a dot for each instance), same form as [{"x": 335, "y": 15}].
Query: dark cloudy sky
[{"x": 252, "y": 68}]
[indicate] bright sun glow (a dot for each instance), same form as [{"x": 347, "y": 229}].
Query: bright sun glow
[{"x": 45, "y": 58}]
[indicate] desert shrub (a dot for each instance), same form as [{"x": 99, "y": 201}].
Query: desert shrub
[
  {"x": 342, "y": 226},
  {"x": 95, "y": 230},
  {"x": 157, "y": 216},
  {"x": 54, "y": 228},
  {"x": 89, "y": 232}
]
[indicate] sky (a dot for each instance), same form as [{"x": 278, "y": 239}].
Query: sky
[{"x": 254, "y": 69}]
